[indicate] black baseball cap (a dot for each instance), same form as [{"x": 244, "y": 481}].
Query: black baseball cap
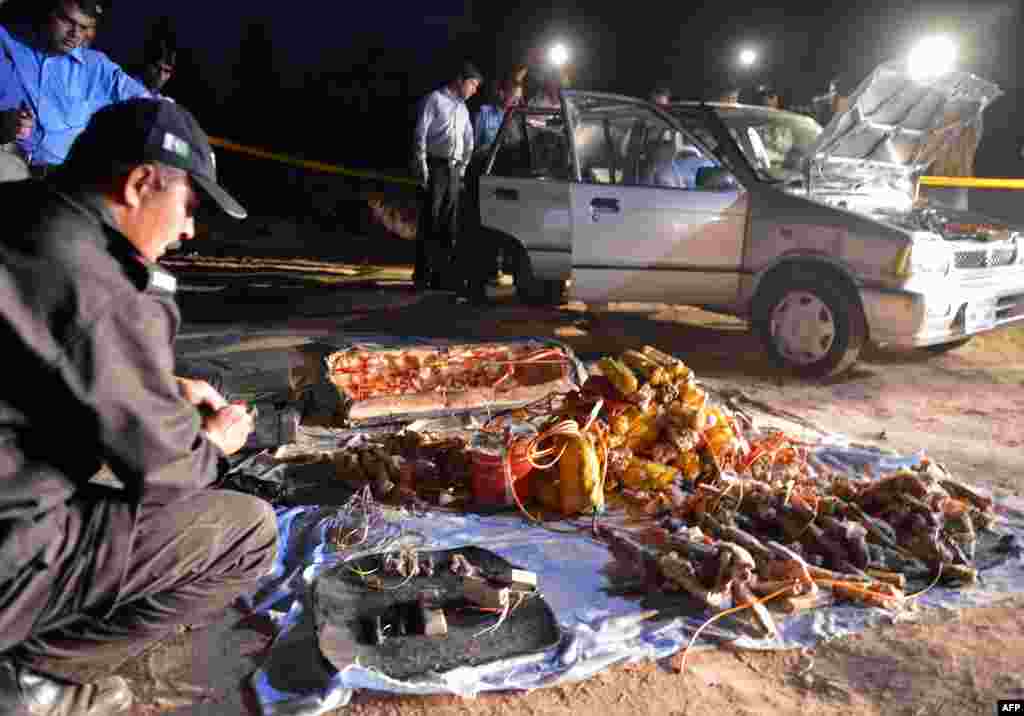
[{"x": 152, "y": 130}]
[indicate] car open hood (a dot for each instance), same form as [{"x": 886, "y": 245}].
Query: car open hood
[{"x": 895, "y": 124}]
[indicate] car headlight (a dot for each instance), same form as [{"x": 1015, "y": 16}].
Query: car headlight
[{"x": 923, "y": 258}]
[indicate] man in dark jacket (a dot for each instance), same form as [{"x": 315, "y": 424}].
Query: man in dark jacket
[{"x": 91, "y": 575}]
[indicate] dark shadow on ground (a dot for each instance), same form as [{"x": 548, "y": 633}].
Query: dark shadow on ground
[{"x": 711, "y": 346}]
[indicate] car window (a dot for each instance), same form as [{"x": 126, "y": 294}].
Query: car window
[
  {"x": 549, "y": 150},
  {"x": 629, "y": 144},
  {"x": 533, "y": 146},
  {"x": 707, "y": 138},
  {"x": 598, "y": 160},
  {"x": 512, "y": 154}
]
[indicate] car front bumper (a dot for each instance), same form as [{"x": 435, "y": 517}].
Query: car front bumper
[{"x": 931, "y": 312}]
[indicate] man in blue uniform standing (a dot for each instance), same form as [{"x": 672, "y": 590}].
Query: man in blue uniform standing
[{"x": 51, "y": 84}]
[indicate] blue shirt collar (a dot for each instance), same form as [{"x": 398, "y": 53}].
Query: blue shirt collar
[{"x": 77, "y": 54}]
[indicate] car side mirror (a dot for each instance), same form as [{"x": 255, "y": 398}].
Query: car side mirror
[{"x": 715, "y": 179}]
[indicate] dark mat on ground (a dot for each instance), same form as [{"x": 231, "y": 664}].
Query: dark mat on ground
[{"x": 343, "y": 600}]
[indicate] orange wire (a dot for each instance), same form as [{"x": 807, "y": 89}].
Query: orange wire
[{"x": 733, "y": 610}]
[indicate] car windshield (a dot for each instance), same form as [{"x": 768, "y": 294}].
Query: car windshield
[{"x": 776, "y": 143}]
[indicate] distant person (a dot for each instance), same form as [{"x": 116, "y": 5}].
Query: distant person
[
  {"x": 158, "y": 68},
  {"x": 489, "y": 118},
  {"x": 442, "y": 150},
  {"x": 47, "y": 72},
  {"x": 549, "y": 94},
  {"x": 91, "y": 576},
  {"x": 766, "y": 96},
  {"x": 727, "y": 94},
  {"x": 89, "y": 34},
  {"x": 690, "y": 160},
  {"x": 662, "y": 172},
  {"x": 661, "y": 96},
  {"x": 14, "y": 125}
]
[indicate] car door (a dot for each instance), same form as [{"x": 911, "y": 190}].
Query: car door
[
  {"x": 643, "y": 231},
  {"x": 524, "y": 190}
]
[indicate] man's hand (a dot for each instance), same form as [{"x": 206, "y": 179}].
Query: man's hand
[
  {"x": 229, "y": 428},
  {"x": 421, "y": 172},
  {"x": 200, "y": 394},
  {"x": 16, "y": 124}
]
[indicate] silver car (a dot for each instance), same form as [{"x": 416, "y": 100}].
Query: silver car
[{"x": 812, "y": 234}]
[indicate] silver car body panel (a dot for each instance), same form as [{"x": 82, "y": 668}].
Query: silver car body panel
[{"x": 714, "y": 248}]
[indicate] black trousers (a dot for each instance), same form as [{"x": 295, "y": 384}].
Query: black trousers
[
  {"x": 438, "y": 229},
  {"x": 477, "y": 255},
  {"x": 189, "y": 560}
]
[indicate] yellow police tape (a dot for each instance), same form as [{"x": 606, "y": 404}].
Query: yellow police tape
[
  {"x": 307, "y": 163},
  {"x": 968, "y": 182},
  {"x": 972, "y": 182}
]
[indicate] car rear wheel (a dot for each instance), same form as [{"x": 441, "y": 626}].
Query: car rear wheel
[
  {"x": 810, "y": 325},
  {"x": 533, "y": 291}
]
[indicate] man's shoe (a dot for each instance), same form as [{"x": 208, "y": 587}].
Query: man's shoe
[{"x": 26, "y": 693}]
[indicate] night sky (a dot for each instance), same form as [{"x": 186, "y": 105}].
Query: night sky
[
  {"x": 625, "y": 46},
  {"x": 628, "y": 47}
]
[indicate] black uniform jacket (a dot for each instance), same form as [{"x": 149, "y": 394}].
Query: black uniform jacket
[{"x": 86, "y": 334}]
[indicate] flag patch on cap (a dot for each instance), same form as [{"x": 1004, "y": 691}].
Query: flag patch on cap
[
  {"x": 177, "y": 145},
  {"x": 163, "y": 280}
]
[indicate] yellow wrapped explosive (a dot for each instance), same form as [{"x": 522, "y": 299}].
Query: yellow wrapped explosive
[
  {"x": 676, "y": 369},
  {"x": 646, "y": 368},
  {"x": 579, "y": 476},
  {"x": 646, "y": 475},
  {"x": 619, "y": 374}
]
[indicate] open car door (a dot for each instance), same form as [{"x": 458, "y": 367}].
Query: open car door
[
  {"x": 644, "y": 227},
  {"x": 524, "y": 189}
]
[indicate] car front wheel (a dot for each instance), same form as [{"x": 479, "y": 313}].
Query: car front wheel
[{"x": 811, "y": 325}]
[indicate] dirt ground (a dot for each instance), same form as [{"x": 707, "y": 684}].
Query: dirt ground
[{"x": 963, "y": 408}]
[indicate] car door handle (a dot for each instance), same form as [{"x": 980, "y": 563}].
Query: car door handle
[
  {"x": 604, "y": 204},
  {"x": 506, "y": 194}
]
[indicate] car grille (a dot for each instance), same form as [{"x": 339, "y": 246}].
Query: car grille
[{"x": 984, "y": 258}]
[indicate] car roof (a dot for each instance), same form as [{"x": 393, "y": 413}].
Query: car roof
[{"x": 730, "y": 107}]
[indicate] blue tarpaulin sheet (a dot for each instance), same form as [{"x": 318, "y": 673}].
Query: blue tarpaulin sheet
[{"x": 578, "y": 577}]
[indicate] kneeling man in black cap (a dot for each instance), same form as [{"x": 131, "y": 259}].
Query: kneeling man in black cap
[{"x": 91, "y": 575}]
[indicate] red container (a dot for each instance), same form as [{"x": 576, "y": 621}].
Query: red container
[{"x": 488, "y": 480}]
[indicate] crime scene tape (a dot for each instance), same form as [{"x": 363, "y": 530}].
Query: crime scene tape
[
  {"x": 971, "y": 182},
  {"x": 307, "y": 163}
]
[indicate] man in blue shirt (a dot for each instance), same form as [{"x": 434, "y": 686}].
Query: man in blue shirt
[
  {"x": 488, "y": 120},
  {"x": 49, "y": 73},
  {"x": 688, "y": 162}
]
